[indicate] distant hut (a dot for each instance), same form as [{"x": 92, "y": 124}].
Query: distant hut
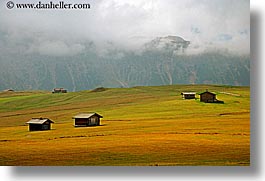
[
  {"x": 39, "y": 124},
  {"x": 59, "y": 90},
  {"x": 209, "y": 97},
  {"x": 188, "y": 95},
  {"x": 87, "y": 119},
  {"x": 9, "y": 90}
]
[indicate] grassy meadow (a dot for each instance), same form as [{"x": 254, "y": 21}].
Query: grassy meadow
[{"x": 141, "y": 126}]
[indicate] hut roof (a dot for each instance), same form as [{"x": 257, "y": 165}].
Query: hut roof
[
  {"x": 188, "y": 93},
  {"x": 207, "y": 92},
  {"x": 86, "y": 115},
  {"x": 59, "y": 88},
  {"x": 39, "y": 121}
]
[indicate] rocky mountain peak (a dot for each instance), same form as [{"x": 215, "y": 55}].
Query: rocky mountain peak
[{"x": 168, "y": 43}]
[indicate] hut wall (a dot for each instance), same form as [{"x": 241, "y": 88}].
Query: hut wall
[
  {"x": 35, "y": 127},
  {"x": 189, "y": 96},
  {"x": 39, "y": 127},
  {"x": 207, "y": 97},
  {"x": 81, "y": 121},
  {"x": 46, "y": 126},
  {"x": 94, "y": 121}
]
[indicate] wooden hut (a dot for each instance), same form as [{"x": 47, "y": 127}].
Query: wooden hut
[
  {"x": 9, "y": 90},
  {"x": 59, "y": 90},
  {"x": 87, "y": 119},
  {"x": 39, "y": 124},
  {"x": 209, "y": 97},
  {"x": 188, "y": 95}
]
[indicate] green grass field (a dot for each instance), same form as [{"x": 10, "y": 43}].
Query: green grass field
[{"x": 149, "y": 126}]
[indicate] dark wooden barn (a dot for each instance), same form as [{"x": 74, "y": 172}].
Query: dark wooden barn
[
  {"x": 188, "y": 95},
  {"x": 209, "y": 97},
  {"x": 59, "y": 90},
  {"x": 87, "y": 119},
  {"x": 39, "y": 124}
]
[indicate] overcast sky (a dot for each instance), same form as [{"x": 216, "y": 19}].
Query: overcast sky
[{"x": 126, "y": 23}]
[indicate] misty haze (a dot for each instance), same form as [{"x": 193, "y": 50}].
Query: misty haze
[{"x": 125, "y": 44}]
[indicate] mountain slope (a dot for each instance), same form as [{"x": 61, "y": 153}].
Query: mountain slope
[{"x": 162, "y": 61}]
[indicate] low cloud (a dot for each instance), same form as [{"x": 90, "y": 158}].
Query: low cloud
[
  {"x": 56, "y": 48},
  {"x": 127, "y": 24}
]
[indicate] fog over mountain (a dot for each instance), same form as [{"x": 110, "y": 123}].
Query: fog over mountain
[{"x": 123, "y": 43}]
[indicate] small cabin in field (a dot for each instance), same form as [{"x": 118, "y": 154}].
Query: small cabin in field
[
  {"x": 188, "y": 95},
  {"x": 39, "y": 124},
  {"x": 9, "y": 90},
  {"x": 59, "y": 90},
  {"x": 87, "y": 119},
  {"x": 209, "y": 97}
]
